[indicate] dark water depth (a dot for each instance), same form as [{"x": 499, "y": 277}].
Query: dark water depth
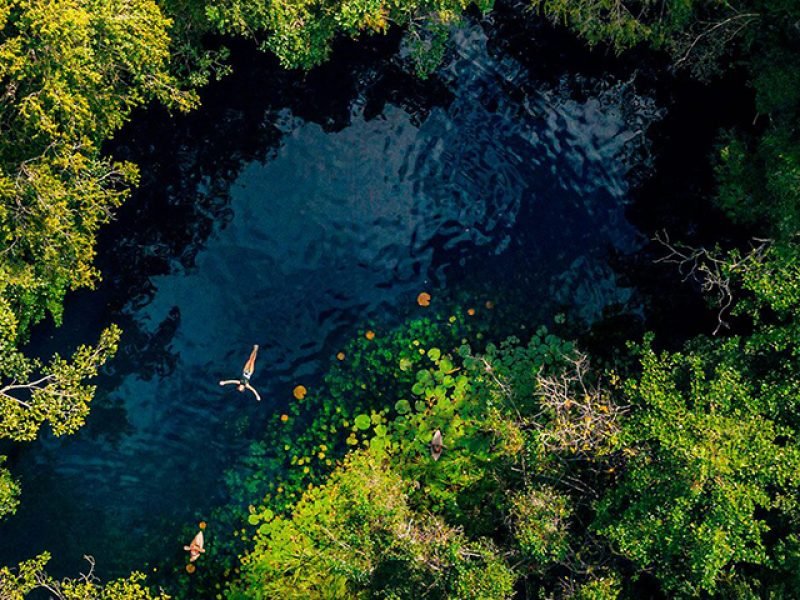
[{"x": 291, "y": 211}]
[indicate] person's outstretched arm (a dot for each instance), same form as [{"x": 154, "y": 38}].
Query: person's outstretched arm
[
  {"x": 252, "y": 389},
  {"x": 229, "y": 381}
]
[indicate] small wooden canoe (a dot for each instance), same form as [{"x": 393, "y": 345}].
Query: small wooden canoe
[{"x": 436, "y": 445}]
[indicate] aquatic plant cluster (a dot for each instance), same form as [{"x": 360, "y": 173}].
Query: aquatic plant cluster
[
  {"x": 430, "y": 462},
  {"x": 554, "y": 478}
]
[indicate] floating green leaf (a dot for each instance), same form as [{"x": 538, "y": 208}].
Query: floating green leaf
[{"x": 363, "y": 422}]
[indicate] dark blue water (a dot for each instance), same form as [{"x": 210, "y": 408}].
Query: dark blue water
[{"x": 290, "y": 212}]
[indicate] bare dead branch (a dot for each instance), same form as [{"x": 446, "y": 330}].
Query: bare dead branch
[
  {"x": 582, "y": 417},
  {"x": 729, "y": 29},
  {"x": 710, "y": 270}
]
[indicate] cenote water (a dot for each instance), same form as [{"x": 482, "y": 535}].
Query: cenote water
[{"x": 296, "y": 212}]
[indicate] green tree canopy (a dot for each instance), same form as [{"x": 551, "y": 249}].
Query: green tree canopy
[
  {"x": 30, "y": 577},
  {"x": 70, "y": 73}
]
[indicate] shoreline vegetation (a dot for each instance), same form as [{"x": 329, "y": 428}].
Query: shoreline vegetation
[{"x": 561, "y": 475}]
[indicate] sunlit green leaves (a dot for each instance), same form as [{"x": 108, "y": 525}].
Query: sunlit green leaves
[
  {"x": 300, "y": 32},
  {"x": 540, "y": 524},
  {"x": 30, "y": 577},
  {"x": 9, "y": 491},
  {"x": 56, "y": 394},
  {"x": 357, "y": 535},
  {"x": 71, "y": 73},
  {"x": 707, "y": 465}
]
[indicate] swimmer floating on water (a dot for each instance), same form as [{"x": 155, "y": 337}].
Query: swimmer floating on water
[
  {"x": 244, "y": 383},
  {"x": 195, "y": 548}
]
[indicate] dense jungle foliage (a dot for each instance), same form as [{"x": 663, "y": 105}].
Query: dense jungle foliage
[{"x": 672, "y": 474}]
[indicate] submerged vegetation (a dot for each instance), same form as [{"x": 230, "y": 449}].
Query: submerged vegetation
[{"x": 666, "y": 473}]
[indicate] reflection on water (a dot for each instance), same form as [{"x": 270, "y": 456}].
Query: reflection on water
[{"x": 270, "y": 224}]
